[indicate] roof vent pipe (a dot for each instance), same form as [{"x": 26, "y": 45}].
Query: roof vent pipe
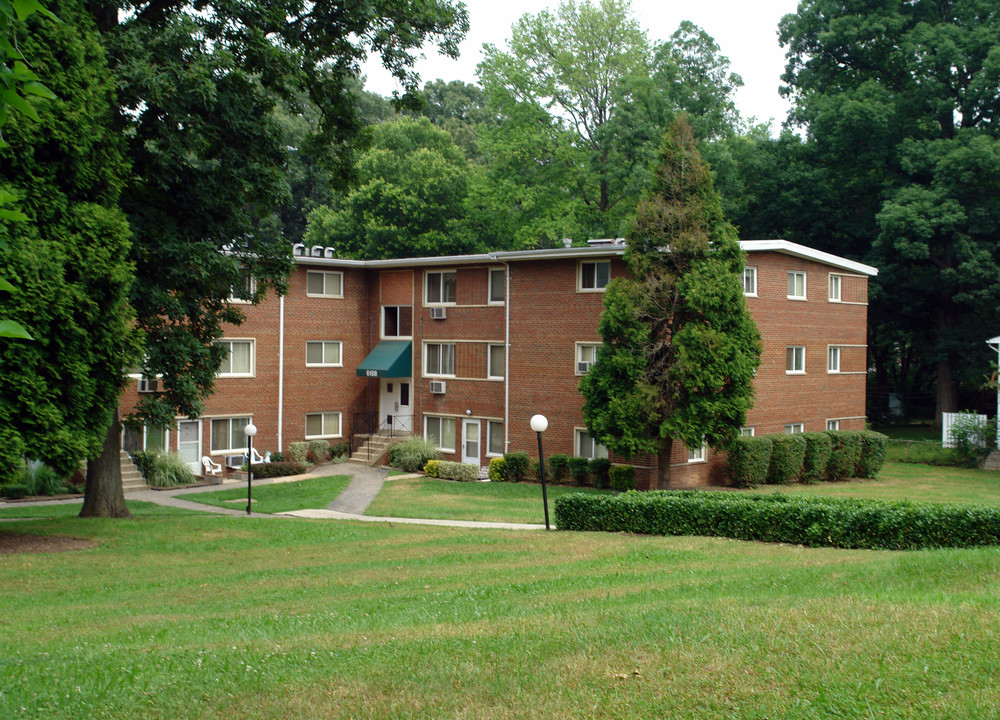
[
  {"x": 317, "y": 251},
  {"x": 329, "y": 252},
  {"x": 298, "y": 249},
  {"x": 568, "y": 242}
]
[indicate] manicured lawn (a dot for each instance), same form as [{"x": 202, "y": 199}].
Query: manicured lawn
[
  {"x": 906, "y": 481},
  {"x": 483, "y": 502},
  {"x": 138, "y": 508},
  {"x": 312, "y": 493},
  {"x": 219, "y": 617},
  {"x": 922, "y": 431}
]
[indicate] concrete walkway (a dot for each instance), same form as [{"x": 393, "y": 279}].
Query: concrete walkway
[{"x": 351, "y": 504}]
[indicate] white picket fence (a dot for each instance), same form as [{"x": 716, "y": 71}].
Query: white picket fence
[{"x": 948, "y": 421}]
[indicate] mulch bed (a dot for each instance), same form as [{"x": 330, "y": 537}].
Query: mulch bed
[{"x": 13, "y": 543}]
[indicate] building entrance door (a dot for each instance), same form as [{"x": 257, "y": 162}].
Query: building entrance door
[
  {"x": 189, "y": 444},
  {"x": 397, "y": 414},
  {"x": 470, "y": 442}
]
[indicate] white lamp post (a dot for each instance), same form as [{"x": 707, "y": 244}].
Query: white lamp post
[
  {"x": 250, "y": 430},
  {"x": 539, "y": 423}
]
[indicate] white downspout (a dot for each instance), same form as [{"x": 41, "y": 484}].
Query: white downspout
[
  {"x": 506, "y": 360},
  {"x": 281, "y": 370}
]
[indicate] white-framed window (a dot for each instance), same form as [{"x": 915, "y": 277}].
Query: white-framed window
[
  {"x": 750, "y": 281},
  {"x": 440, "y": 431},
  {"x": 698, "y": 454},
  {"x": 324, "y": 353},
  {"x": 494, "y": 437},
  {"x": 794, "y": 428},
  {"x": 227, "y": 435},
  {"x": 439, "y": 359},
  {"x": 833, "y": 424},
  {"x": 796, "y": 285},
  {"x": 440, "y": 287},
  {"x": 239, "y": 358},
  {"x": 244, "y": 292},
  {"x": 748, "y": 431},
  {"x": 795, "y": 360},
  {"x": 586, "y": 356},
  {"x": 397, "y": 321},
  {"x": 584, "y": 445},
  {"x": 323, "y": 425},
  {"x": 834, "y": 288},
  {"x": 498, "y": 289},
  {"x": 593, "y": 275},
  {"x": 324, "y": 284},
  {"x": 833, "y": 359},
  {"x": 495, "y": 362}
]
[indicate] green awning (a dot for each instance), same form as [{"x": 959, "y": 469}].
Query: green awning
[{"x": 389, "y": 359}]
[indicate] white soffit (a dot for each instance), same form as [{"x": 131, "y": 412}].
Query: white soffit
[{"x": 807, "y": 253}]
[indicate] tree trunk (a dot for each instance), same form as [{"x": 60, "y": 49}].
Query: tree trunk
[
  {"x": 947, "y": 388},
  {"x": 663, "y": 464},
  {"x": 104, "y": 496}
]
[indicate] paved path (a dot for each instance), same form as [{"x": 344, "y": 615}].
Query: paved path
[{"x": 350, "y": 505}]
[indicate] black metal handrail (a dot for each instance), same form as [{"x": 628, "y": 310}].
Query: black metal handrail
[{"x": 368, "y": 423}]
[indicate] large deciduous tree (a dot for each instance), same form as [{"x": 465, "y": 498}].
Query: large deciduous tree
[
  {"x": 680, "y": 348},
  {"x": 196, "y": 87},
  {"x": 70, "y": 256},
  {"x": 901, "y": 103}
]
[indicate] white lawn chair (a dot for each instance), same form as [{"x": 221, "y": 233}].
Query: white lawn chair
[
  {"x": 211, "y": 468},
  {"x": 257, "y": 459}
]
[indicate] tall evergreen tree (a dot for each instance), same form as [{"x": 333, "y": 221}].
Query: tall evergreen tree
[
  {"x": 680, "y": 348},
  {"x": 70, "y": 257}
]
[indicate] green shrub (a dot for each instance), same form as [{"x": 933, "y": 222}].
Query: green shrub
[
  {"x": 536, "y": 470},
  {"x": 600, "y": 469},
  {"x": 412, "y": 454},
  {"x": 873, "y": 450},
  {"x": 787, "y": 454},
  {"x": 341, "y": 448},
  {"x": 169, "y": 470},
  {"x": 748, "y": 461},
  {"x": 144, "y": 460},
  {"x": 298, "y": 451},
  {"x": 971, "y": 437},
  {"x": 320, "y": 450},
  {"x": 462, "y": 472},
  {"x": 432, "y": 467},
  {"x": 277, "y": 456},
  {"x": 845, "y": 453},
  {"x": 785, "y": 518},
  {"x": 517, "y": 466},
  {"x": 558, "y": 468},
  {"x": 498, "y": 469},
  {"x": 622, "y": 477},
  {"x": 818, "y": 449},
  {"x": 278, "y": 469},
  {"x": 579, "y": 470},
  {"x": 14, "y": 491}
]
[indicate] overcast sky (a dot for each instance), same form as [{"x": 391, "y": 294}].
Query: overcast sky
[{"x": 745, "y": 30}]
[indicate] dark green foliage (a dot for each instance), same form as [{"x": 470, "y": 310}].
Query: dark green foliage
[
  {"x": 600, "y": 471},
  {"x": 680, "y": 348},
  {"x": 558, "y": 468},
  {"x": 845, "y": 454},
  {"x": 144, "y": 460},
  {"x": 278, "y": 469},
  {"x": 579, "y": 470},
  {"x": 787, "y": 454},
  {"x": 818, "y": 450},
  {"x": 463, "y": 472},
  {"x": 277, "y": 456},
  {"x": 412, "y": 454},
  {"x": 338, "y": 449},
  {"x": 749, "y": 459},
  {"x": 517, "y": 466},
  {"x": 498, "y": 469},
  {"x": 972, "y": 439},
  {"x": 796, "y": 519},
  {"x": 15, "y": 491},
  {"x": 874, "y": 447},
  {"x": 622, "y": 477}
]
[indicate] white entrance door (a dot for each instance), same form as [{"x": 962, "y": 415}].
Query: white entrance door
[
  {"x": 397, "y": 414},
  {"x": 189, "y": 444},
  {"x": 470, "y": 442}
]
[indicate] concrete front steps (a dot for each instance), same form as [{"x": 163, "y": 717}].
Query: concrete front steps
[
  {"x": 374, "y": 448},
  {"x": 131, "y": 477}
]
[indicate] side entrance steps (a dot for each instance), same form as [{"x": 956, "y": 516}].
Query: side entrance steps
[
  {"x": 131, "y": 477},
  {"x": 374, "y": 447}
]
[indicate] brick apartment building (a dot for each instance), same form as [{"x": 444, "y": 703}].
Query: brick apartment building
[{"x": 466, "y": 349}]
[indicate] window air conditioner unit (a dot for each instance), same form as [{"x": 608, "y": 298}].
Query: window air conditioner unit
[
  {"x": 148, "y": 386},
  {"x": 235, "y": 461},
  {"x": 438, "y": 313},
  {"x": 583, "y": 367},
  {"x": 438, "y": 387}
]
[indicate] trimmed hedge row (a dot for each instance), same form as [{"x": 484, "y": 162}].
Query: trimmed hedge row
[
  {"x": 810, "y": 521},
  {"x": 806, "y": 457},
  {"x": 277, "y": 469}
]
